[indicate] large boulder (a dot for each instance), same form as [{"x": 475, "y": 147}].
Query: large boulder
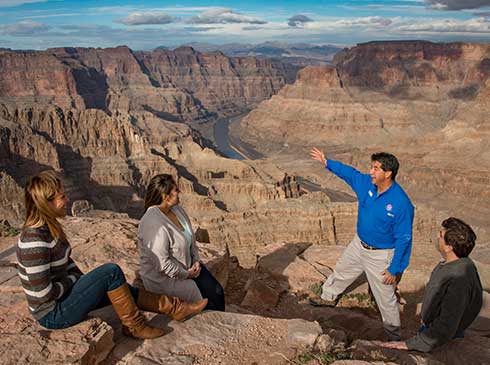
[
  {"x": 470, "y": 350},
  {"x": 24, "y": 341}
]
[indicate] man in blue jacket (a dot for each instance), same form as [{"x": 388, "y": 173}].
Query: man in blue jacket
[{"x": 381, "y": 248}]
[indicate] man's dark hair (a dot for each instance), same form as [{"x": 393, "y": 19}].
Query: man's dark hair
[
  {"x": 459, "y": 236},
  {"x": 388, "y": 162}
]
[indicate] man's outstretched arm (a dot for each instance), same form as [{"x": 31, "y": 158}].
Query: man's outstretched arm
[{"x": 356, "y": 180}]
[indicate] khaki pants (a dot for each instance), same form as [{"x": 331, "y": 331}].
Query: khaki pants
[{"x": 354, "y": 261}]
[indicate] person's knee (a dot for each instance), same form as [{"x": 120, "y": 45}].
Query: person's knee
[
  {"x": 194, "y": 295},
  {"x": 113, "y": 270}
]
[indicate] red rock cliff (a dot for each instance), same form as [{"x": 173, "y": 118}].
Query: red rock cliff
[
  {"x": 177, "y": 85},
  {"x": 413, "y": 63}
]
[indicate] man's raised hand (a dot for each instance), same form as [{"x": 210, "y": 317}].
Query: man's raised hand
[{"x": 318, "y": 155}]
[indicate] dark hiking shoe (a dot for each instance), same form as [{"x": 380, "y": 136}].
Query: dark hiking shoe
[{"x": 317, "y": 302}]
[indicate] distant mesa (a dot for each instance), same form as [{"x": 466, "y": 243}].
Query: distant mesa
[{"x": 300, "y": 54}]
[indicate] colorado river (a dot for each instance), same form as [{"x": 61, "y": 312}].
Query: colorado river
[{"x": 232, "y": 147}]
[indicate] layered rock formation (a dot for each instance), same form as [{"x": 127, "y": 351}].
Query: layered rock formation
[
  {"x": 376, "y": 88},
  {"x": 178, "y": 85},
  {"x": 106, "y": 159},
  {"x": 427, "y": 103},
  {"x": 316, "y": 105},
  {"x": 105, "y": 116},
  {"x": 219, "y": 83}
]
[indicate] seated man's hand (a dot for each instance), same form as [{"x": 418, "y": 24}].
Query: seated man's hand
[{"x": 397, "y": 345}]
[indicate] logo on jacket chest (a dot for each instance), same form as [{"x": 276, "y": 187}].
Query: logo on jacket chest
[{"x": 389, "y": 208}]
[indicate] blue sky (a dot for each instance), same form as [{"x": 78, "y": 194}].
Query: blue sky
[{"x": 35, "y": 24}]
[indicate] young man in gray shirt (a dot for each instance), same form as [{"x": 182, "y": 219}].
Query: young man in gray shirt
[{"x": 453, "y": 296}]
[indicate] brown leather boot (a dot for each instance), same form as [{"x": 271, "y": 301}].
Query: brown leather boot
[
  {"x": 134, "y": 323},
  {"x": 177, "y": 308}
]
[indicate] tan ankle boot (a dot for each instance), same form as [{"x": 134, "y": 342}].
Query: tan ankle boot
[
  {"x": 177, "y": 308},
  {"x": 133, "y": 321}
]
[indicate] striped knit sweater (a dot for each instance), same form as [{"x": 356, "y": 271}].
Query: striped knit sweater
[{"x": 45, "y": 269}]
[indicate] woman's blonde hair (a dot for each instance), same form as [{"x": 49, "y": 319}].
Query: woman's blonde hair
[
  {"x": 39, "y": 191},
  {"x": 159, "y": 186}
]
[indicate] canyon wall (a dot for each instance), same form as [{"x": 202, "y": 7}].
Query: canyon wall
[
  {"x": 428, "y": 103},
  {"x": 182, "y": 85},
  {"x": 105, "y": 116}
]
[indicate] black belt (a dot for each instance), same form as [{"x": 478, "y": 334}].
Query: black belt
[{"x": 367, "y": 247}]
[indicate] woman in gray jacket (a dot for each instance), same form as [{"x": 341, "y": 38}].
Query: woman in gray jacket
[{"x": 169, "y": 258}]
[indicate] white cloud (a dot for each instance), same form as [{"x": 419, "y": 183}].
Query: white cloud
[
  {"x": 349, "y": 23},
  {"x": 146, "y": 18},
  {"x": 24, "y": 28},
  {"x": 60, "y": 15},
  {"x": 12, "y": 3},
  {"x": 475, "y": 26},
  {"x": 367, "y": 28},
  {"x": 321, "y": 30},
  {"x": 417, "y": 7},
  {"x": 223, "y": 16},
  {"x": 185, "y": 8}
]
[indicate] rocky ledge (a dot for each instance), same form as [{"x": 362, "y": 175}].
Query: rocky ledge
[{"x": 268, "y": 318}]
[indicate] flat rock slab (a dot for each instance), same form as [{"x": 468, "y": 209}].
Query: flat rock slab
[
  {"x": 470, "y": 350},
  {"x": 483, "y": 268},
  {"x": 361, "y": 362},
  {"x": 220, "y": 338},
  {"x": 23, "y": 340},
  {"x": 481, "y": 325},
  {"x": 282, "y": 261},
  {"x": 302, "y": 275}
]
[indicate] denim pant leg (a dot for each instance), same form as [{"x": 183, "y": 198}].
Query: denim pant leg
[
  {"x": 87, "y": 294},
  {"x": 210, "y": 288}
]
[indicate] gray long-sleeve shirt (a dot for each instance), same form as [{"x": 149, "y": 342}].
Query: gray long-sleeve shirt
[{"x": 452, "y": 300}]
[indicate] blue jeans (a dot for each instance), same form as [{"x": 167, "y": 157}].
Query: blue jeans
[{"x": 88, "y": 293}]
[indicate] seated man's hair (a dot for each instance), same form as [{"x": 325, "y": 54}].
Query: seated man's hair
[
  {"x": 459, "y": 235},
  {"x": 388, "y": 162}
]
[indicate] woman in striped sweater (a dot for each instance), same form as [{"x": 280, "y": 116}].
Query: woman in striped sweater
[{"x": 58, "y": 294}]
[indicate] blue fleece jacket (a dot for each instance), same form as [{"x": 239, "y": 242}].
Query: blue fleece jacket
[{"x": 383, "y": 221}]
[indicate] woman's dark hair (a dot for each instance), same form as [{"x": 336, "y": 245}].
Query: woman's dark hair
[
  {"x": 159, "y": 186},
  {"x": 459, "y": 236},
  {"x": 388, "y": 162}
]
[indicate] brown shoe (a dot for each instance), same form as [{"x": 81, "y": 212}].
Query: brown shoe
[
  {"x": 177, "y": 308},
  {"x": 318, "y": 302},
  {"x": 134, "y": 323}
]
